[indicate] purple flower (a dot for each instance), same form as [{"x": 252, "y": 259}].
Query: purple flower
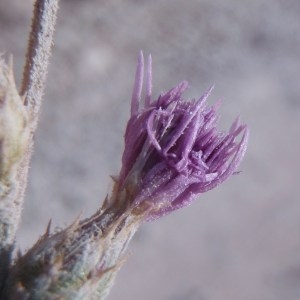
[{"x": 173, "y": 150}]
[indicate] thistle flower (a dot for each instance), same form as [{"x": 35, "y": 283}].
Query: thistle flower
[
  {"x": 173, "y": 149},
  {"x": 173, "y": 152}
]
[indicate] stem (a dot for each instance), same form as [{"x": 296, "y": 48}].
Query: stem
[
  {"x": 38, "y": 54},
  {"x": 34, "y": 77}
]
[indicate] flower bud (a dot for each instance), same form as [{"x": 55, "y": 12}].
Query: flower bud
[{"x": 173, "y": 149}]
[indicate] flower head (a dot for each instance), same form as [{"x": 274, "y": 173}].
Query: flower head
[{"x": 173, "y": 150}]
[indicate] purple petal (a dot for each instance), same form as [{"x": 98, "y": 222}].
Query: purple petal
[{"x": 138, "y": 85}]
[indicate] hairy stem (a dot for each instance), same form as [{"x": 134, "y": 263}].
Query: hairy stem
[
  {"x": 34, "y": 77},
  {"x": 19, "y": 118},
  {"x": 38, "y": 54}
]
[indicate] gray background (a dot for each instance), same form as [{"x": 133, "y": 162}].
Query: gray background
[{"x": 240, "y": 241}]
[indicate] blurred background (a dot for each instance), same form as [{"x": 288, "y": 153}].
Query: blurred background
[{"x": 240, "y": 241}]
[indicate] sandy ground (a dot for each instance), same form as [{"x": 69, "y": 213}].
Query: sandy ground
[{"x": 240, "y": 241}]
